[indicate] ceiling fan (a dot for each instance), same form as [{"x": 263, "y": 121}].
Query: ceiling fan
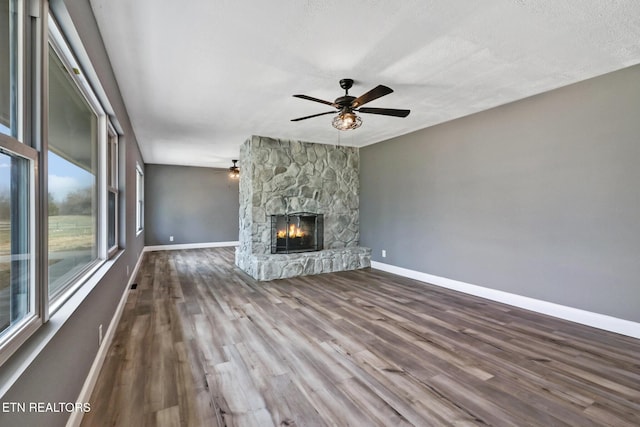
[
  {"x": 234, "y": 171},
  {"x": 347, "y": 106}
]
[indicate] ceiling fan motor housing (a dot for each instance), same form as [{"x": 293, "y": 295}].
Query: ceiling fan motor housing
[
  {"x": 346, "y": 84},
  {"x": 345, "y": 101}
]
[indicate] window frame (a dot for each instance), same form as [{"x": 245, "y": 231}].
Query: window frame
[
  {"x": 139, "y": 199},
  {"x": 25, "y": 123},
  {"x": 58, "y": 45},
  {"x": 112, "y": 169},
  {"x": 17, "y": 111},
  {"x": 14, "y": 336}
]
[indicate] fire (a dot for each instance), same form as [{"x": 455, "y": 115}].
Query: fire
[{"x": 293, "y": 232}]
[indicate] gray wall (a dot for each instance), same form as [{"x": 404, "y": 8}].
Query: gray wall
[
  {"x": 192, "y": 204},
  {"x": 538, "y": 198},
  {"x": 61, "y": 367}
]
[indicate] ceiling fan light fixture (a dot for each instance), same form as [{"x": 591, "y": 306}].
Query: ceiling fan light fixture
[
  {"x": 347, "y": 105},
  {"x": 346, "y": 121},
  {"x": 234, "y": 171}
]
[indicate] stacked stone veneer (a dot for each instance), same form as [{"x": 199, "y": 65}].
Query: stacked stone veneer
[{"x": 284, "y": 176}]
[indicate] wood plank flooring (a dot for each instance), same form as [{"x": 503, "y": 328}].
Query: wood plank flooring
[{"x": 202, "y": 344}]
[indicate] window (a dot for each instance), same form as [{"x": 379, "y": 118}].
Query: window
[
  {"x": 139, "y": 198},
  {"x": 9, "y": 75},
  {"x": 72, "y": 180},
  {"x": 19, "y": 309},
  {"x": 75, "y": 205},
  {"x": 112, "y": 191},
  {"x": 17, "y": 284}
]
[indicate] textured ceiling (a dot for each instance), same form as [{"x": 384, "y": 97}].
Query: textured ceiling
[{"x": 200, "y": 76}]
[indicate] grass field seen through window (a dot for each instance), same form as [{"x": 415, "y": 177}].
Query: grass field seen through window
[{"x": 67, "y": 234}]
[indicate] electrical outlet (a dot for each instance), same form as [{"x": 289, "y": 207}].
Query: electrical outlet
[
  {"x": 100, "y": 335},
  {"x": 171, "y": 238},
  {"x": 384, "y": 253}
]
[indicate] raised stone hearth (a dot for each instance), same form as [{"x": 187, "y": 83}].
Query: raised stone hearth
[
  {"x": 283, "y": 176},
  {"x": 281, "y": 266}
]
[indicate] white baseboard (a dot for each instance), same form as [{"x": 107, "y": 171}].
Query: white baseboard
[
  {"x": 75, "y": 419},
  {"x": 190, "y": 246},
  {"x": 596, "y": 320}
]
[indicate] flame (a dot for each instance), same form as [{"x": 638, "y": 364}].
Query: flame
[{"x": 292, "y": 232}]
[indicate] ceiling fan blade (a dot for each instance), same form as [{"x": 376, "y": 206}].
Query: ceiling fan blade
[
  {"x": 315, "y": 115},
  {"x": 385, "y": 111},
  {"x": 375, "y": 93},
  {"x": 310, "y": 98}
]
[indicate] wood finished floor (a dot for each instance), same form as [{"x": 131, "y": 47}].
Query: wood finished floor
[{"x": 202, "y": 344}]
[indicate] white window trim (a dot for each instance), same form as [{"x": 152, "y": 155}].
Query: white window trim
[
  {"x": 139, "y": 199},
  {"x": 20, "y": 73},
  {"x": 112, "y": 186}
]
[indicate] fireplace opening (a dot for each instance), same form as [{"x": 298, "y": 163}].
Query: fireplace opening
[{"x": 296, "y": 232}]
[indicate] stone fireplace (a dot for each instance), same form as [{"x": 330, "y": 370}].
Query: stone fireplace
[{"x": 283, "y": 178}]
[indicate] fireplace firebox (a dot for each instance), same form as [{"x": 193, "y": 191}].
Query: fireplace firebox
[{"x": 297, "y": 232}]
